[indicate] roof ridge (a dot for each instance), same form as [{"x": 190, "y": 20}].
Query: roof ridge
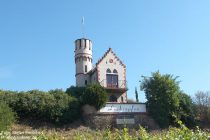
[
  {"x": 103, "y": 56},
  {"x": 110, "y": 50}
]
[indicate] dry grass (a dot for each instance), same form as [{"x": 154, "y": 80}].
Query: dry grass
[{"x": 66, "y": 131}]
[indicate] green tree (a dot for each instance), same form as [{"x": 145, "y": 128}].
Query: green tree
[
  {"x": 56, "y": 91},
  {"x": 137, "y": 96},
  {"x": 64, "y": 109},
  {"x": 35, "y": 91},
  {"x": 56, "y": 107},
  {"x": 162, "y": 93},
  {"x": 95, "y": 95},
  {"x": 1, "y": 91},
  {"x": 75, "y": 91},
  {"x": 7, "y": 117},
  {"x": 186, "y": 110}
]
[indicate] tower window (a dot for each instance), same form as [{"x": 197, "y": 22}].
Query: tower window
[
  {"x": 85, "y": 82},
  {"x": 80, "y": 44},
  {"x": 85, "y": 68},
  {"x": 85, "y": 58}
]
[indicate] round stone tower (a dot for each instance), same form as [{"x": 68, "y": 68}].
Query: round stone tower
[{"x": 83, "y": 61}]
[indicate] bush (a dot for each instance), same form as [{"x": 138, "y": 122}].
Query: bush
[
  {"x": 56, "y": 107},
  {"x": 181, "y": 133},
  {"x": 76, "y": 92},
  {"x": 166, "y": 101},
  {"x": 64, "y": 108},
  {"x": 186, "y": 110},
  {"x": 95, "y": 95},
  {"x": 7, "y": 117},
  {"x": 162, "y": 93}
]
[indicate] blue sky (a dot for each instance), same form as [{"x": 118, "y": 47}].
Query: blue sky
[{"x": 37, "y": 40}]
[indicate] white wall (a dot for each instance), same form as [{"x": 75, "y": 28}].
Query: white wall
[
  {"x": 104, "y": 65},
  {"x": 83, "y": 58},
  {"x": 123, "y": 108}
]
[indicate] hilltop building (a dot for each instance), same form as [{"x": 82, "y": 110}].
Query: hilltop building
[{"x": 109, "y": 71}]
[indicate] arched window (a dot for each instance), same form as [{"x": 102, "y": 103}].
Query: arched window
[
  {"x": 111, "y": 79},
  {"x": 113, "y": 98},
  {"x": 114, "y": 71},
  {"x": 85, "y": 68},
  {"x": 108, "y": 71},
  {"x": 85, "y": 58},
  {"x": 80, "y": 58}
]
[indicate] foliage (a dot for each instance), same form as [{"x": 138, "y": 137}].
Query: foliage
[
  {"x": 95, "y": 95},
  {"x": 202, "y": 105},
  {"x": 56, "y": 107},
  {"x": 162, "y": 97},
  {"x": 173, "y": 133},
  {"x": 53, "y": 136},
  {"x": 1, "y": 91},
  {"x": 186, "y": 110},
  {"x": 65, "y": 109},
  {"x": 7, "y": 116},
  {"x": 165, "y": 100},
  {"x": 76, "y": 92},
  {"x": 137, "y": 96}
]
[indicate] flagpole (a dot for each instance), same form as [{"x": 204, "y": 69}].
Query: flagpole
[{"x": 83, "y": 27}]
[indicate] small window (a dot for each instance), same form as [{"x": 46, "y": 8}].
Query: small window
[
  {"x": 114, "y": 71},
  {"x": 85, "y": 58},
  {"x": 85, "y": 44},
  {"x": 85, "y": 68},
  {"x": 85, "y": 82},
  {"x": 108, "y": 71}
]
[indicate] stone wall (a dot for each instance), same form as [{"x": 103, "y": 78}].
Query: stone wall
[{"x": 102, "y": 121}]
